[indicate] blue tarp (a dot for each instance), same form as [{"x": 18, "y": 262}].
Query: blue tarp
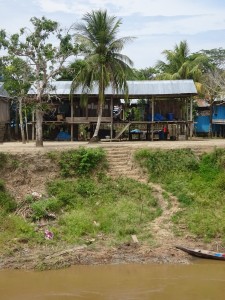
[{"x": 63, "y": 136}]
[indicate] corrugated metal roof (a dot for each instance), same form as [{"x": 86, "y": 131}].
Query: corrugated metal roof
[
  {"x": 136, "y": 88},
  {"x": 3, "y": 92}
]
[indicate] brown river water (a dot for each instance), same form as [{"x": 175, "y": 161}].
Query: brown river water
[{"x": 201, "y": 280}]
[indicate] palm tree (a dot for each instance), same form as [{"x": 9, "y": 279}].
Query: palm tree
[
  {"x": 104, "y": 64},
  {"x": 180, "y": 64}
]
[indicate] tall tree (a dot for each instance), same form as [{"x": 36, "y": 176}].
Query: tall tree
[
  {"x": 71, "y": 70},
  {"x": 143, "y": 74},
  {"x": 46, "y": 59},
  {"x": 104, "y": 62},
  {"x": 181, "y": 64},
  {"x": 17, "y": 76},
  {"x": 216, "y": 57}
]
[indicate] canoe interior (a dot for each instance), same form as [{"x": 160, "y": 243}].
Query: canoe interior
[{"x": 203, "y": 253}]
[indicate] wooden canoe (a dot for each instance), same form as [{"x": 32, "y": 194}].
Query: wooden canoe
[{"x": 203, "y": 253}]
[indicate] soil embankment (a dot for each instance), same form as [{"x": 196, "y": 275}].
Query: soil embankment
[{"x": 37, "y": 168}]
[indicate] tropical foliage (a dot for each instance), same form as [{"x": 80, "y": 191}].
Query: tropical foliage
[
  {"x": 181, "y": 64},
  {"x": 216, "y": 57},
  {"x": 17, "y": 75},
  {"x": 104, "y": 64},
  {"x": 47, "y": 60}
]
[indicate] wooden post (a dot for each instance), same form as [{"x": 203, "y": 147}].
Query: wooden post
[
  {"x": 186, "y": 123},
  {"x": 71, "y": 116},
  {"x": 26, "y": 126},
  {"x": 191, "y": 118},
  {"x": 111, "y": 115},
  {"x": 33, "y": 127},
  {"x": 152, "y": 125}
]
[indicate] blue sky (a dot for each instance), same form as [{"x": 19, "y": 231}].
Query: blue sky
[{"x": 156, "y": 24}]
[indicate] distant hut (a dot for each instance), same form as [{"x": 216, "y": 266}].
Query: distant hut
[
  {"x": 202, "y": 118},
  {"x": 4, "y": 111}
]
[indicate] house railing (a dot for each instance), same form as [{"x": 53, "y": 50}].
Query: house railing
[{"x": 79, "y": 120}]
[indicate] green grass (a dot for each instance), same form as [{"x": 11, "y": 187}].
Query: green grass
[
  {"x": 87, "y": 204},
  {"x": 119, "y": 208},
  {"x": 85, "y": 208},
  {"x": 14, "y": 231},
  {"x": 198, "y": 182}
]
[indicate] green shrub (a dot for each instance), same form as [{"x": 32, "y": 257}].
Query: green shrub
[
  {"x": 64, "y": 191},
  {"x": 82, "y": 161},
  {"x": 43, "y": 207},
  {"x": 85, "y": 188},
  {"x": 161, "y": 163}
]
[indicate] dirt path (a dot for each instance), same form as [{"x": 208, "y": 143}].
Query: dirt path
[
  {"x": 195, "y": 143},
  {"x": 162, "y": 226},
  {"x": 121, "y": 163}
]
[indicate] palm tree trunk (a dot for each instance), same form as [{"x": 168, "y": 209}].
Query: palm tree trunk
[
  {"x": 95, "y": 137},
  {"x": 101, "y": 99}
]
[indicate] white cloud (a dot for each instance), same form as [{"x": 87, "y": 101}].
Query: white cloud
[
  {"x": 51, "y": 6},
  {"x": 157, "y": 24},
  {"x": 184, "y": 25},
  {"x": 204, "y": 17},
  {"x": 128, "y": 7}
]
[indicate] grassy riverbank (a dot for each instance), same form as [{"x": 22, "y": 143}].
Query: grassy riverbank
[
  {"x": 81, "y": 204},
  {"x": 198, "y": 183}
]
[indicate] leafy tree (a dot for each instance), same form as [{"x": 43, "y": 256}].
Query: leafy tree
[
  {"x": 216, "y": 57},
  {"x": 143, "y": 74},
  {"x": 69, "y": 72},
  {"x": 17, "y": 76},
  {"x": 46, "y": 59},
  {"x": 180, "y": 64},
  {"x": 104, "y": 63},
  {"x": 1, "y": 70}
]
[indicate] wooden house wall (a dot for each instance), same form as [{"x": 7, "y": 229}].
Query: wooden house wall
[
  {"x": 4, "y": 111},
  {"x": 63, "y": 108},
  {"x": 92, "y": 108},
  {"x": 162, "y": 107},
  {"x": 165, "y": 107}
]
